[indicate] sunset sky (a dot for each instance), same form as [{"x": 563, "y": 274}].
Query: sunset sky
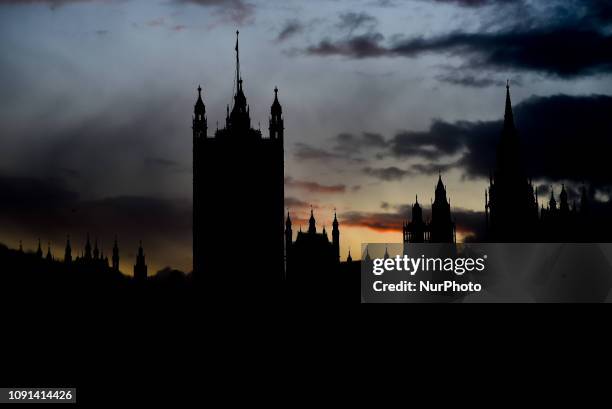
[{"x": 378, "y": 97}]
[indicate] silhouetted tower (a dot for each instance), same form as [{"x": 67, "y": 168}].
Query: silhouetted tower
[
  {"x": 564, "y": 208},
  {"x": 512, "y": 207},
  {"x": 349, "y": 259},
  {"x": 87, "y": 255},
  {"x": 552, "y": 203},
  {"x": 68, "y": 251},
  {"x": 39, "y": 252},
  {"x": 96, "y": 252},
  {"x": 277, "y": 125},
  {"x": 49, "y": 255},
  {"x": 312, "y": 223},
  {"x": 234, "y": 165},
  {"x": 336, "y": 236},
  {"x": 200, "y": 125},
  {"x": 442, "y": 227},
  {"x": 115, "y": 258},
  {"x": 415, "y": 230},
  {"x": 140, "y": 268}
]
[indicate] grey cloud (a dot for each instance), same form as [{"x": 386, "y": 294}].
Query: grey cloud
[
  {"x": 353, "y": 21},
  {"x": 236, "y": 11},
  {"x": 290, "y": 28}
]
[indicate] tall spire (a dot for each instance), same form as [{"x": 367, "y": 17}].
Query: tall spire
[
  {"x": 115, "y": 258},
  {"x": 238, "y": 79},
  {"x": 508, "y": 114},
  {"x": 68, "y": 252}
]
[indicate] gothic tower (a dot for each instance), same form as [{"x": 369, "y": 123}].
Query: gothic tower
[
  {"x": 49, "y": 255},
  {"x": 512, "y": 209},
  {"x": 415, "y": 231},
  {"x": 115, "y": 258},
  {"x": 87, "y": 255},
  {"x": 140, "y": 268},
  {"x": 238, "y": 193},
  {"x": 336, "y": 237},
  {"x": 442, "y": 227},
  {"x": 68, "y": 252},
  {"x": 277, "y": 125}
]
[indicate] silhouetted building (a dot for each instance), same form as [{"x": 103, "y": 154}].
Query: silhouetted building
[
  {"x": 49, "y": 255},
  {"x": 511, "y": 206},
  {"x": 90, "y": 260},
  {"x": 511, "y": 203},
  {"x": 115, "y": 255},
  {"x": 439, "y": 229},
  {"x": 238, "y": 192},
  {"x": 39, "y": 252},
  {"x": 311, "y": 253},
  {"x": 140, "y": 268},
  {"x": 68, "y": 252}
]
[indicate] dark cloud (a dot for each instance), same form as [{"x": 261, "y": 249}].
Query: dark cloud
[
  {"x": 53, "y": 4},
  {"x": 237, "y": 11},
  {"x": 349, "y": 143},
  {"x": 566, "y": 40},
  {"x": 33, "y": 208},
  {"x": 476, "y": 3},
  {"x": 393, "y": 173},
  {"x": 432, "y": 168},
  {"x": 353, "y": 21},
  {"x": 564, "y": 138},
  {"x": 388, "y": 174},
  {"x": 442, "y": 139},
  {"x": 304, "y": 151},
  {"x": 290, "y": 28},
  {"x": 313, "y": 187},
  {"x": 457, "y": 77},
  {"x": 295, "y": 203},
  {"x": 171, "y": 165},
  {"x": 359, "y": 46}
]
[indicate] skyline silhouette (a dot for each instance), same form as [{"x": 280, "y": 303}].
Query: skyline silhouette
[{"x": 97, "y": 140}]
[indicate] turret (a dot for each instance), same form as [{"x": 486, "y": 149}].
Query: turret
[
  {"x": 509, "y": 127},
  {"x": 312, "y": 223},
  {"x": 277, "y": 125},
  {"x": 39, "y": 252},
  {"x": 68, "y": 252},
  {"x": 336, "y": 237},
  {"x": 552, "y": 203},
  {"x": 239, "y": 118},
  {"x": 115, "y": 258},
  {"x": 87, "y": 255},
  {"x": 417, "y": 212},
  {"x": 96, "y": 252},
  {"x": 49, "y": 255},
  {"x": 563, "y": 202},
  {"x": 200, "y": 125},
  {"x": 140, "y": 268}
]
